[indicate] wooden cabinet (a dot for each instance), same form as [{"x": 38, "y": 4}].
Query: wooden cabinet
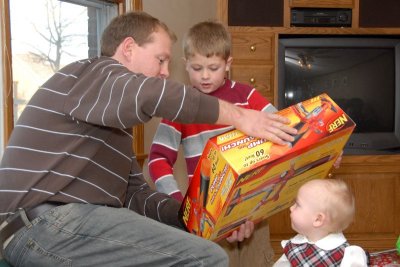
[
  {"x": 379, "y": 13},
  {"x": 259, "y": 76},
  {"x": 322, "y": 3},
  {"x": 253, "y": 59},
  {"x": 263, "y": 13},
  {"x": 375, "y": 179},
  {"x": 253, "y": 45}
]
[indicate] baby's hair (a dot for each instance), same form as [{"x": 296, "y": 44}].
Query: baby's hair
[
  {"x": 208, "y": 38},
  {"x": 339, "y": 203}
]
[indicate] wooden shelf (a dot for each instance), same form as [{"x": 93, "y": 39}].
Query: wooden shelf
[{"x": 322, "y": 3}]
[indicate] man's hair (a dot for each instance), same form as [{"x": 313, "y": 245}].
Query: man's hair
[
  {"x": 339, "y": 203},
  {"x": 138, "y": 25},
  {"x": 209, "y": 38}
]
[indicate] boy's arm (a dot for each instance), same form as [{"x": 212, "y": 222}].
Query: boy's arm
[
  {"x": 162, "y": 157},
  {"x": 259, "y": 102}
]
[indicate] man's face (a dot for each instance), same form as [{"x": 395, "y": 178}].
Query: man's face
[{"x": 152, "y": 59}]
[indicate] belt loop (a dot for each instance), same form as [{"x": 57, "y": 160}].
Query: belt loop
[{"x": 25, "y": 218}]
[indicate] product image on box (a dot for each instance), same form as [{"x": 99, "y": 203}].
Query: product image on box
[{"x": 241, "y": 178}]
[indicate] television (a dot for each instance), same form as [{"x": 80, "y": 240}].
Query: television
[{"x": 361, "y": 74}]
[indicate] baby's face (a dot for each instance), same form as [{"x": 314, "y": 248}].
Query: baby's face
[
  {"x": 207, "y": 74},
  {"x": 304, "y": 210}
]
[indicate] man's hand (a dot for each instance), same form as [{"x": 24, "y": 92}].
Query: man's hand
[
  {"x": 245, "y": 231},
  {"x": 255, "y": 123}
]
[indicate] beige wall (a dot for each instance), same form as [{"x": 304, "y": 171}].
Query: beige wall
[{"x": 179, "y": 15}]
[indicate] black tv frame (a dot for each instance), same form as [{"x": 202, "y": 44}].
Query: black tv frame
[{"x": 370, "y": 143}]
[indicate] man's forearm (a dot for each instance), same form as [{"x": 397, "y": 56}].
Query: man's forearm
[
  {"x": 256, "y": 123},
  {"x": 228, "y": 113}
]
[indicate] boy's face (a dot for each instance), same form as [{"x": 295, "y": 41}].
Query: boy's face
[
  {"x": 304, "y": 211},
  {"x": 152, "y": 59},
  {"x": 207, "y": 74}
]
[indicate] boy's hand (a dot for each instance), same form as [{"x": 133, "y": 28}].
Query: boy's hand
[
  {"x": 245, "y": 231},
  {"x": 338, "y": 161},
  {"x": 270, "y": 126}
]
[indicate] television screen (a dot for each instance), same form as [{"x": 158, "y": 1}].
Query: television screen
[{"x": 359, "y": 74}]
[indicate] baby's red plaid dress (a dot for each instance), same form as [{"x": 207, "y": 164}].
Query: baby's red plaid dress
[{"x": 310, "y": 255}]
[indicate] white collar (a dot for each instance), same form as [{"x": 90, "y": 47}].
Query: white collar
[{"x": 329, "y": 242}]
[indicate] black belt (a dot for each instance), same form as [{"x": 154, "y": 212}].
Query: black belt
[{"x": 16, "y": 222}]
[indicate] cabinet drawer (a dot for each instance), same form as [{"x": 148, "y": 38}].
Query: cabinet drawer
[
  {"x": 260, "y": 77},
  {"x": 252, "y": 45}
]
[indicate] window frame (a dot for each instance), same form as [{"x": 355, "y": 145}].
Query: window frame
[{"x": 7, "y": 99}]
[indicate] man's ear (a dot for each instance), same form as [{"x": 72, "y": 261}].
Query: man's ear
[
  {"x": 319, "y": 219},
  {"x": 185, "y": 62},
  {"x": 128, "y": 46},
  {"x": 228, "y": 63}
]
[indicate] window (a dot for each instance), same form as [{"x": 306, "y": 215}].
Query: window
[
  {"x": 45, "y": 36},
  {"x": 48, "y": 34}
]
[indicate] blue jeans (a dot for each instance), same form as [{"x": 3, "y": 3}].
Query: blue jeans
[{"x": 91, "y": 235}]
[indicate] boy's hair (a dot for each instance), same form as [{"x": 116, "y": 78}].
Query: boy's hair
[
  {"x": 138, "y": 25},
  {"x": 339, "y": 203},
  {"x": 207, "y": 38}
]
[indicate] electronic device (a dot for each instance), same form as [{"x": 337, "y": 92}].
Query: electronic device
[
  {"x": 361, "y": 74},
  {"x": 320, "y": 17}
]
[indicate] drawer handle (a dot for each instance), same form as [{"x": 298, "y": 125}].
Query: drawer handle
[
  {"x": 253, "y": 48},
  {"x": 252, "y": 80}
]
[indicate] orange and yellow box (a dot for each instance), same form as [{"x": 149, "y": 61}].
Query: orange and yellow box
[{"x": 241, "y": 178}]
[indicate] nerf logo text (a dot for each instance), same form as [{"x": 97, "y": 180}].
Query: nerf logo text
[
  {"x": 337, "y": 123},
  {"x": 186, "y": 211}
]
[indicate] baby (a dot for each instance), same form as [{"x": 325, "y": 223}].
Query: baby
[{"x": 322, "y": 210}]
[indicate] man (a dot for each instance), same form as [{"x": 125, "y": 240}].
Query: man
[{"x": 69, "y": 180}]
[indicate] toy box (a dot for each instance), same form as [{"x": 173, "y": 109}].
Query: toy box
[{"x": 241, "y": 178}]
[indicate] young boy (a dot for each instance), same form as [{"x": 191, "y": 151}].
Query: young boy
[
  {"x": 322, "y": 210},
  {"x": 207, "y": 54}
]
